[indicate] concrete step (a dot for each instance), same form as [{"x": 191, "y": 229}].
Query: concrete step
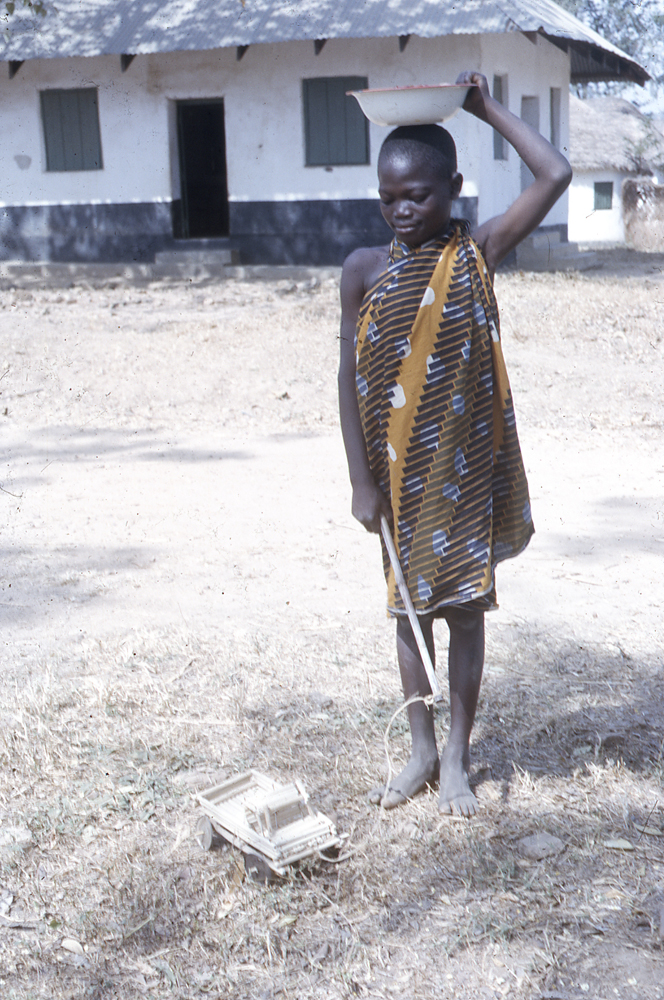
[
  {"x": 100, "y": 275},
  {"x": 17, "y": 274},
  {"x": 541, "y": 255},
  {"x": 542, "y": 241},
  {"x": 214, "y": 256}
]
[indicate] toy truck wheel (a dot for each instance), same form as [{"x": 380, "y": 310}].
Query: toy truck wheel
[
  {"x": 204, "y": 833},
  {"x": 258, "y": 869}
]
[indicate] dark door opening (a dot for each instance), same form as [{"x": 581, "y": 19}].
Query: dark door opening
[{"x": 203, "y": 182}]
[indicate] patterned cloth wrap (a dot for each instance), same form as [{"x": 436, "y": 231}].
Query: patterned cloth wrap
[{"x": 438, "y": 423}]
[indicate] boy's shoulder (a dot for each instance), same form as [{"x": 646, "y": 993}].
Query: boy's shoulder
[{"x": 363, "y": 266}]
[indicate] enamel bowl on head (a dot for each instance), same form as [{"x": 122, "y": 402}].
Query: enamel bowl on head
[{"x": 411, "y": 105}]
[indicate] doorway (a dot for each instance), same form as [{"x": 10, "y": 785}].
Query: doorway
[{"x": 202, "y": 159}]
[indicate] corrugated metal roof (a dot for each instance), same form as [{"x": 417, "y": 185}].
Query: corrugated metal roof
[{"x": 102, "y": 27}]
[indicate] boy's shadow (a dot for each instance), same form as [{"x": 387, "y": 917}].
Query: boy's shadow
[{"x": 573, "y": 706}]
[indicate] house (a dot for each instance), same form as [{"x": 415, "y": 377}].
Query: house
[
  {"x": 133, "y": 126},
  {"x": 611, "y": 142}
]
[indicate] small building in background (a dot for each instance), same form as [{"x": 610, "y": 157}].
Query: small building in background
[
  {"x": 134, "y": 127},
  {"x": 611, "y": 143}
]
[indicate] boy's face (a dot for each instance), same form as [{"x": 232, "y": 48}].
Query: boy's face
[{"x": 415, "y": 201}]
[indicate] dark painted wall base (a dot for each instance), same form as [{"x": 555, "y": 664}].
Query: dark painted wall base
[
  {"x": 287, "y": 232},
  {"x": 80, "y": 233},
  {"x": 313, "y": 232}
]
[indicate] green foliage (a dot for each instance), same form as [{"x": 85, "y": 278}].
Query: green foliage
[
  {"x": 629, "y": 25},
  {"x": 35, "y": 6},
  {"x": 636, "y": 27}
]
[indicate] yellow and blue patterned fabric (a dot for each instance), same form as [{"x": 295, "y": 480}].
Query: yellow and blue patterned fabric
[{"x": 438, "y": 422}]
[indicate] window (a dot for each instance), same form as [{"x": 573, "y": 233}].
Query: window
[
  {"x": 500, "y": 94},
  {"x": 335, "y": 130},
  {"x": 603, "y": 195},
  {"x": 554, "y": 116},
  {"x": 71, "y": 129}
]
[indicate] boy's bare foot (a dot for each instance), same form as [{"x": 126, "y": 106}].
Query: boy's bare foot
[
  {"x": 414, "y": 778},
  {"x": 455, "y": 795}
]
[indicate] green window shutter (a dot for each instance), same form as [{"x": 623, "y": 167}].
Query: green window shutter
[
  {"x": 316, "y": 119},
  {"x": 336, "y": 131},
  {"x": 603, "y": 195},
  {"x": 336, "y": 120},
  {"x": 357, "y": 128},
  {"x": 554, "y": 116},
  {"x": 71, "y": 129},
  {"x": 88, "y": 118},
  {"x": 53, "y": 139}
]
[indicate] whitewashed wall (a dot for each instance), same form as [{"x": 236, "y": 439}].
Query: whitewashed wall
[
  {"x": 532, "y": 68},
  {"x": 134, "y": 139},
  {"x": 264, "y": 125},
  {"x": 587, "y": 225}
]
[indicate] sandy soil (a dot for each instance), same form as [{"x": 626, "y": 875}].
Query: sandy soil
[{"x": 182, "y": 575}]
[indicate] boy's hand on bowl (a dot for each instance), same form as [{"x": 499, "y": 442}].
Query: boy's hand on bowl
[{"x": 477, "y": 95}]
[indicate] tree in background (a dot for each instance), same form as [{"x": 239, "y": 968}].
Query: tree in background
[
  {"x": 13, "y": 12},
  {"x": 636, "y": 27}
]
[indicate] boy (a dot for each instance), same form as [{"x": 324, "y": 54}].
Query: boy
[{"x": 427, "y": 419}]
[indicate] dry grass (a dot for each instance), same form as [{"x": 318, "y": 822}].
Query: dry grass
[
  {"x": 103, "y": 746},
  {"x": 100, "y": 764}
]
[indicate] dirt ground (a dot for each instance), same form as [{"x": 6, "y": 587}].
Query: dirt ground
[{"x": 185, "y": 596}]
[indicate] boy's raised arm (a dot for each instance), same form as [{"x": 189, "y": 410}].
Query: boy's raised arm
[{"x": 550, "y": 169}]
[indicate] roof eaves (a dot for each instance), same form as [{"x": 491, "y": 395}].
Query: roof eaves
[
  {"x": 143, "y": 27},
  {"x": 593, "y": 57},
  {"x": 589, "y": 63}
]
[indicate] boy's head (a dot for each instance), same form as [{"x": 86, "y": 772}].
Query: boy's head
[
  {"x": 417, "y": 182},
  {"x": 430, "y": 145}
]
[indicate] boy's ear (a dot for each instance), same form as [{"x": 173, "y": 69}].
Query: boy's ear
[{"x": 456, "y": 184}]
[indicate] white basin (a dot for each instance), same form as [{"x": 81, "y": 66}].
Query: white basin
[{"x": 419, "y": 105}]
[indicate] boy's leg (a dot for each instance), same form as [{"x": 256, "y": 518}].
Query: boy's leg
[
  {"x": 422, "y": 768},
  {"x": 466, "y": 661}
]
